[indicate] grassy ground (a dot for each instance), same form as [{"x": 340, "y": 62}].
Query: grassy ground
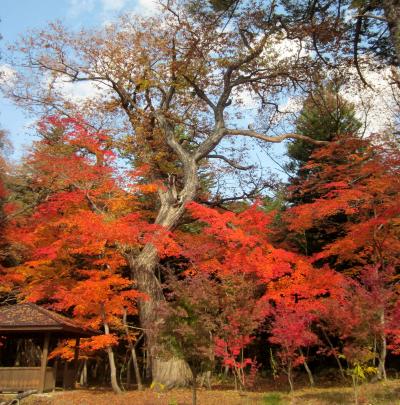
[{"x": 387, "y": 393}]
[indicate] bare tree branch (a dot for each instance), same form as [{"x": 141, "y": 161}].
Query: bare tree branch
[
  {"x": 200, "y": 93},
  {"x": 375, "y": 17},
  {"x": 230, "y": 162},
  {"x": 274, "y": 139},
  {"x": 355, "y": 50}
]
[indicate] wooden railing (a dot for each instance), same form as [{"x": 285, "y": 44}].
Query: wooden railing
[{"x": 25, "y": 378}]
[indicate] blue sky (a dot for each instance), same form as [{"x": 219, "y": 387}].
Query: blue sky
[{"x": 18, "y": 16}]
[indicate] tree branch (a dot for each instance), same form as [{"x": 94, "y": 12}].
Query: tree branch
[
  {"x": 375, "y": 17},
  {"x": 200, "y": 93},
  {"x": 235, "y": 65},
  {"x": 355, "y": 49},
  {"x": 274, "y": 139},
  {"x": 230, "y": 162},
  {"x": 210, "y": 143},
  {"x": 183, "y": 155}
]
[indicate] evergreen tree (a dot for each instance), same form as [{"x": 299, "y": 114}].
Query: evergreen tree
[{"x": 325, "y": 115}]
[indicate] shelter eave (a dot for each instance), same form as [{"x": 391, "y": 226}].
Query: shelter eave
[
  {"x": 35, "y": 330},
  {"x": 28, "y": 318}
]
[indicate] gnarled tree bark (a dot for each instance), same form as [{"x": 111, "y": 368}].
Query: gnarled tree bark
[{"x": 167, "y": 371}]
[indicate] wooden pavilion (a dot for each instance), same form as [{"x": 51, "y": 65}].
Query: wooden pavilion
[{"x": 30, "y": 321}]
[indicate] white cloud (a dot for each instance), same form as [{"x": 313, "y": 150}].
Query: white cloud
[
  {"x": 7, "y": 75},
  {"x": 76, "y": 92},
  {"x": 102, "y": 7},
  {"x": 281, "y": 49},
  {"x": 78, "y": 7},
  {"x": 290, "y": 49},
  {"x": 79, "y": 92},
  {"x": 147, "y": 7},
  {"x": 245, "y": 98},
  {"x": 376, "y": 106},
  {"x": 113, "y": 5},
  {"x": 293, "y": 105}
]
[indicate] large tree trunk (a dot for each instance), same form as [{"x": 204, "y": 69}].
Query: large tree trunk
[
  {"x": 392, "y": 14},
  {"x": 167, "y": 371}
]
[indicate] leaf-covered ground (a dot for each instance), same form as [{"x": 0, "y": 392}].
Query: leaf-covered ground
[{"x": 370, "y": 394}]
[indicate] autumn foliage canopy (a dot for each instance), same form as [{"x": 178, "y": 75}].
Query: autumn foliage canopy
[{"x": 236, "y": 278}]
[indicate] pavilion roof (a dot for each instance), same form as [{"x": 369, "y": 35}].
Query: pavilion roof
[{"x": 31, "y": 318}]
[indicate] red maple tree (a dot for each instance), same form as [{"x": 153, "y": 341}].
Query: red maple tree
[{"x": 355, "y": 186}]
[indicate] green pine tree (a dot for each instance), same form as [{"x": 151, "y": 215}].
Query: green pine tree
[{"x": 325, "y": 115}]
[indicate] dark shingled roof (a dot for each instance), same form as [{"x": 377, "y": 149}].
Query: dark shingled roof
[{"x": 28, "y": 317}]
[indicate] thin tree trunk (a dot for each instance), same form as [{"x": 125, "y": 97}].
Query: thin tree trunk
[
  {"x": 382, "y": 360},
  {"x": 290, "y": 375},
  {"x": 334, "y": 354},
  {"x": 113, "y": 371},
  {"x": 111, "y": 360},
  {"x": 355, "y": 388},
  {"x": 239, "y": 379},
  {"x": 128, "y": 372},
  {"x": 96, "y": 368},
  {"x": 133, "y": 353},
  {"x": 382, "y": 350},
  {"x": 374, "y": 352},
  {"x": 83, "y": 376},
  {"x": 226, "y": 371},
  {"x": 309, "y": 373},
  {"x": 205, "y": 379}
]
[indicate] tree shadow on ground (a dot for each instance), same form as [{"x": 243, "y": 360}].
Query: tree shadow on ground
[{"x": 326, "y": 398}]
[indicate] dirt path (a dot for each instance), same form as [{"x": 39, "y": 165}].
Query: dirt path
[{"x": 370, "y": 394}]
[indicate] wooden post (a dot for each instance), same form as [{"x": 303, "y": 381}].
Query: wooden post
[
  {"x": 76, "y": 353},
  {"x": 55, "y": 370},
  {"x": 65, "y": 375},
  {"x": 43, "y": 363},
  {"x": 76, "y": 360}
]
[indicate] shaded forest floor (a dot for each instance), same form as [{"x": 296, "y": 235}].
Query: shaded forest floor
[{"x": 370, "y": 394}]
